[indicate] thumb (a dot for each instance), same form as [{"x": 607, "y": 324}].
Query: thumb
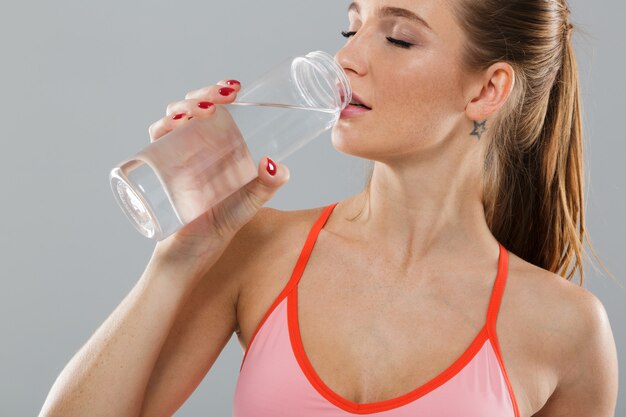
[
  {"x": 271, "y": 176},
  {"x": 238, "y": 209}
]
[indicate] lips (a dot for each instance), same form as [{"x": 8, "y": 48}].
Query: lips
[
  {"x": 356, "y": 107},
  {"x": 352, "y": 110},
  {"x": 356, "y": 100}
]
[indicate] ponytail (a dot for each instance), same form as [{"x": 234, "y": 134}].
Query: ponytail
[{"x": 561, "y": 214}]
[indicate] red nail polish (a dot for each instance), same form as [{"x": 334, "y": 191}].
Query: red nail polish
[
  {"x": 271, "y": 167},
  {"x": 178, "y": 116},
  {"x": 226, "y": 91},
  {"x": 233, "y": 82},
  {"x": 205, "y": 104}
]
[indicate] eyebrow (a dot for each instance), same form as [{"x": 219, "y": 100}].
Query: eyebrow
[{"x": 395, "y": 12}]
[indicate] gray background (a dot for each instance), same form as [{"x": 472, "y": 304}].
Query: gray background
[{"x": 82, "y": 81}]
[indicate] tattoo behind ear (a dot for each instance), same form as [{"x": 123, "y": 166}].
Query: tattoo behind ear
[{"x": 479, "y": 128}]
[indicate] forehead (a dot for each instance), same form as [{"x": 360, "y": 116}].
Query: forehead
[{"x": 434, "y": 13}]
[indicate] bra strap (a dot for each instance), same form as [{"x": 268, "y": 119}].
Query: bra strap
[
  {"x": 498, "y": 289},
  {"x": 308, "y": 246}
]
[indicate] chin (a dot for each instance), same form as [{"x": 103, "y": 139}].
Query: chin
[
  {"x": 346, "y": 140},
  {"x": 350, "y": 142}
]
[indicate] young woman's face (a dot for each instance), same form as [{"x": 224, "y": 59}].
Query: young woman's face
[{"x": 415, "y": 92}]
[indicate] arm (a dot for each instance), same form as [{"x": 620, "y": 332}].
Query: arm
[
  {"x": 588, "y": 382},
  {"x": 109, "y": 374},
  {"x": 208, "y": 319},
  {"x": 156, "y": 346}
]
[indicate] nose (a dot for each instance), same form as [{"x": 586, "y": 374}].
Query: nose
[{"x": 352, "y": 58}]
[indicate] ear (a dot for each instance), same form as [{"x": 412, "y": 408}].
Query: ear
[{"x": 491, "y": 91}]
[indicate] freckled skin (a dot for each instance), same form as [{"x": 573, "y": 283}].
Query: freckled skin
[
  {"x": 427, "y": 130},
  {"x": 418, "y": 94}
]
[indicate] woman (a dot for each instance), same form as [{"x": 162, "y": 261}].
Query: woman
[{"x": 433, "y": 292}]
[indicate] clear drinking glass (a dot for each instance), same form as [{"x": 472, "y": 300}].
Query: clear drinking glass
[{"x": 183, "y": 174}]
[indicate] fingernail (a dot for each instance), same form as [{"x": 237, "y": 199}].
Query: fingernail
[
  {"x": 271, "y": 167},
  {"x": 205, "y": 104},
  {"x": 226, "y": 91},
  {"x": 178, "y": 116},
  {"x": 233, "y": 82}
]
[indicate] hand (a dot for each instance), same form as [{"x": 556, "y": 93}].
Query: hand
[{"x": 222, "y": 221}]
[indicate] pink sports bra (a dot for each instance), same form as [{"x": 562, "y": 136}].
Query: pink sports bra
[{"x": 277, "y": 380}]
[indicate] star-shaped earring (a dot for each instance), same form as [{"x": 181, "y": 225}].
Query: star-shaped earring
[{"x": 479, "y": 128}]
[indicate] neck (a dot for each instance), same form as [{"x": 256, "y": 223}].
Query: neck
[{"x": 421, "y": 213}]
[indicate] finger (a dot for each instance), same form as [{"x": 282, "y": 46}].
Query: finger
[
  {"x": 169, "y": 123},
  {"x": 217, "y": 93},
  {"x": 263, "y": 188},
  {"x": 230, "y": 83},
  {"x": 191, "y": 107}
]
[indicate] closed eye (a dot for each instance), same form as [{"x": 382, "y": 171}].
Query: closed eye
[
  {"x": 402, "y": 44},
  {"x": 397, "y": 42}
]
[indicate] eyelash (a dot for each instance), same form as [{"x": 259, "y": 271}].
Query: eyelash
[{"x": 397, "y": 42}]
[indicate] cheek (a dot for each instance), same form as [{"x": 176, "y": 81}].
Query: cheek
[
  {"x": 423, "y": 106},
  {"x": 416, "y": 106}
]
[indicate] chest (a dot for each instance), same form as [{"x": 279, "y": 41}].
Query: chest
[{"x": 371, "y": 339}]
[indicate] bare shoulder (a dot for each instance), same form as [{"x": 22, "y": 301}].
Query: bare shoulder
[
  {"x": 586, "y": 354},
  {"x": 264, "y": 249},
  {"x": 269, "y": 230},
  {"x": 573, "y": 336}
]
